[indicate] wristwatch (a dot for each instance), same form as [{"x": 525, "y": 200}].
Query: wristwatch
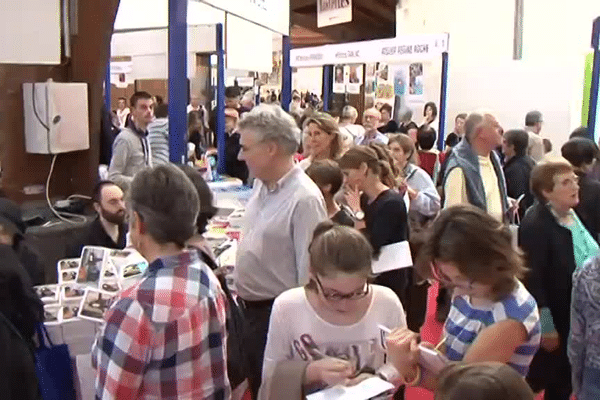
[{"x": 359, "y": 215}]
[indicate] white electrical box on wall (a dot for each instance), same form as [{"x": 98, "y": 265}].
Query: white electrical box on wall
[{"x": 56, "y": 117}]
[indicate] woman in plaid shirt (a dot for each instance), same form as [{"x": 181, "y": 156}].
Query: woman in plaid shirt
[{"x": 164, "y": 337}]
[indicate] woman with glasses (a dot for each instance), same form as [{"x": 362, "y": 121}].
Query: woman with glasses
[
  {"x": 493, "y": 317},
  {"x": 327, "y": 332},
  {"x": 556, "y": 244}
]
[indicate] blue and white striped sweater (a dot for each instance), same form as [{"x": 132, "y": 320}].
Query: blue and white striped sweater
[{"x": 465, "y": 322}]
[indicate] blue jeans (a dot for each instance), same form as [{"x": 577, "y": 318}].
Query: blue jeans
[{"x": 590, "y": 387}]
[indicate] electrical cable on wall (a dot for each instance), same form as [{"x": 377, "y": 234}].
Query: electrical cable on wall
[{"x": 63, "y": 216}]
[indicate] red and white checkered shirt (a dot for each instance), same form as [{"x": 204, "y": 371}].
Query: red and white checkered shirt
[{"x": 165, "y": 338}]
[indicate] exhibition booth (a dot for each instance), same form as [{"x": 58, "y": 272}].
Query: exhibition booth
[
  {"x": 405, "y": 72},
  {"x": 194, "y": 49}
]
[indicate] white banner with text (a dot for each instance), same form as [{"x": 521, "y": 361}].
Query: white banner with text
[{"x": 410, "y": 47}]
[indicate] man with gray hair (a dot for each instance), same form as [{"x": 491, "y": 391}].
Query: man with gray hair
[
  {"x": 371, "y": 119},
  {"x": 533, "y": 126},
  {"x": 281, "y": 216},
  {"x": 165, "y": 336},
  {"x": 473, "y": 173}
]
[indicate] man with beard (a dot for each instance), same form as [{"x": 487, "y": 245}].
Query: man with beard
[{"x": 108, "y": 229}]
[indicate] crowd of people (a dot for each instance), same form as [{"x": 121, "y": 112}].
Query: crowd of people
[{"x": 509, "y": 234}]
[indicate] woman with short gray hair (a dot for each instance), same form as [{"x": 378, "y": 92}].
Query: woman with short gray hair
[
  {"x": 152, "y": 342},
  {"x": 348, "y": 126}
]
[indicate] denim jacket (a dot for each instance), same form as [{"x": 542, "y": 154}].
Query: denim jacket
[{"x": 584, "y": 340}]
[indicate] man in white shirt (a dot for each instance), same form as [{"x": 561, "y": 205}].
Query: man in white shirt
[
  {"x": 371, "y": 119},
  {"x": 281, "y": 215},
  {"x": 533, "y": 126}
]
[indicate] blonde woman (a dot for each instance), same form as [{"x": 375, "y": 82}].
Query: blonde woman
[{"x": 322, "y": 135}]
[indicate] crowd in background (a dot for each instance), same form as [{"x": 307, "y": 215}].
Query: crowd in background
[{"x": 509, "y": 234}]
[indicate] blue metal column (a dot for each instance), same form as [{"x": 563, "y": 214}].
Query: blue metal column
[
  {"x": 178, "y": 86},
  {"x": 443, "y": 95},
  {"x": 286, "y": 73},
  {"x": 327, "y": 85},
  {"x": 220, "y": 122},
  {"x": 594, "y": 90},
  {"x": 107, "y": 88}
]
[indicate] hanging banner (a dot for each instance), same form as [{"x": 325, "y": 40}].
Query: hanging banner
[
  {"x": 403, "y": 48},
  {"x": 333, "y": 12},
  {"x": 272, "y": 14}
]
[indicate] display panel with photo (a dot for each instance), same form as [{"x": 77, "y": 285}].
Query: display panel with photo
[
  {"x": 94, "y": 305},
  {"x": 48, "y": 293},
  {"x": 71, "y": 263},
  {"x": 52, "y": 314},
  {"x": 92, "y": 264}
]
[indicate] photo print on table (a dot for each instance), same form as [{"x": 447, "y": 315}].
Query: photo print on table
[
  {"x": 47, "y": 293},
  {"x": 69, "y": 310},
  {"x": 52, "y": 314},
  {"x": 93, "y": 260},
  {"x": 94, "y": 304},
  {"x": 70, "y": 263},
  {"x": 72, "y": 292},
  {"x": 110, "y": 285},
  {"x": 67, "y": 276}
]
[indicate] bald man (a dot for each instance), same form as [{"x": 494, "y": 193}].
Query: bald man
[
  {"x": 473, "y": 173},
  {"x": 371, "y": 119}
]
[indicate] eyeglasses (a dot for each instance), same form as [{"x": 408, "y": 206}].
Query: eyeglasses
[
  {"x": 447, "y": 281},
  {"x": 333, "y": 295}
]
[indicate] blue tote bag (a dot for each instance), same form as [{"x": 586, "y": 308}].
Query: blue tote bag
[{"x": 53, "y": 368}]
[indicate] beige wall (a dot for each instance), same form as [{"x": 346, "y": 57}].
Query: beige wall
[{"x": 482, "y": 73}]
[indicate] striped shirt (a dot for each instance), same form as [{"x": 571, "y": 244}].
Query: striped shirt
[
  {"x": 158, "y": 137},
  {"x": 465, "y": 322}
]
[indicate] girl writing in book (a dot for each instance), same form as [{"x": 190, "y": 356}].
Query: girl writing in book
[{"x": 327, "y": 332}]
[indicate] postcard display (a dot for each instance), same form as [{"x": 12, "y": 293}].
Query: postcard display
[{"x": 75, "y": 307}]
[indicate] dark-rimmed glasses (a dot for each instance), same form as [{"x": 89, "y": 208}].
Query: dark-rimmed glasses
[
  {"x": 332, "y": 295},
  {"x": 447, "y": 281}
]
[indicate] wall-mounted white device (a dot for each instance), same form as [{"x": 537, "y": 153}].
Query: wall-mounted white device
[{"x": 56, "y": 117}]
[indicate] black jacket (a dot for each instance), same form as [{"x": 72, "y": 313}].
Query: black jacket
[
  {"x": 548, "y": 248},
  {"x": 233, "y": 166},
  {"x": 97, "y": 236},
  {"x": 517, "y": 171},
  {"x": 22, "y": 311},
  {"x": 588, "y": 208}
]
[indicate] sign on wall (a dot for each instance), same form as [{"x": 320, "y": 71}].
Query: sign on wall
[
  {"x": 332, "y": 12},
  {"x": 411, "y": 47},
  {"x": 272, "y": 14}
]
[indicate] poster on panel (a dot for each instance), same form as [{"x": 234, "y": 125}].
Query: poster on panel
[
  {"x": 355, "y": 77},
  {"x": 339, "y": 79},
  {"x": 416, "y": 89},
  {"x": 384, "y": 91},
  {"x": 333, "y": 12}
]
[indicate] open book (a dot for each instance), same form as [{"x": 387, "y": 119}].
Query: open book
[{"x": 365, "y": 390}]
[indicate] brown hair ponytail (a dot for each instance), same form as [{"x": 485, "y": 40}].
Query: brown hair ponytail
[{"x": 358, "y": 155}]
